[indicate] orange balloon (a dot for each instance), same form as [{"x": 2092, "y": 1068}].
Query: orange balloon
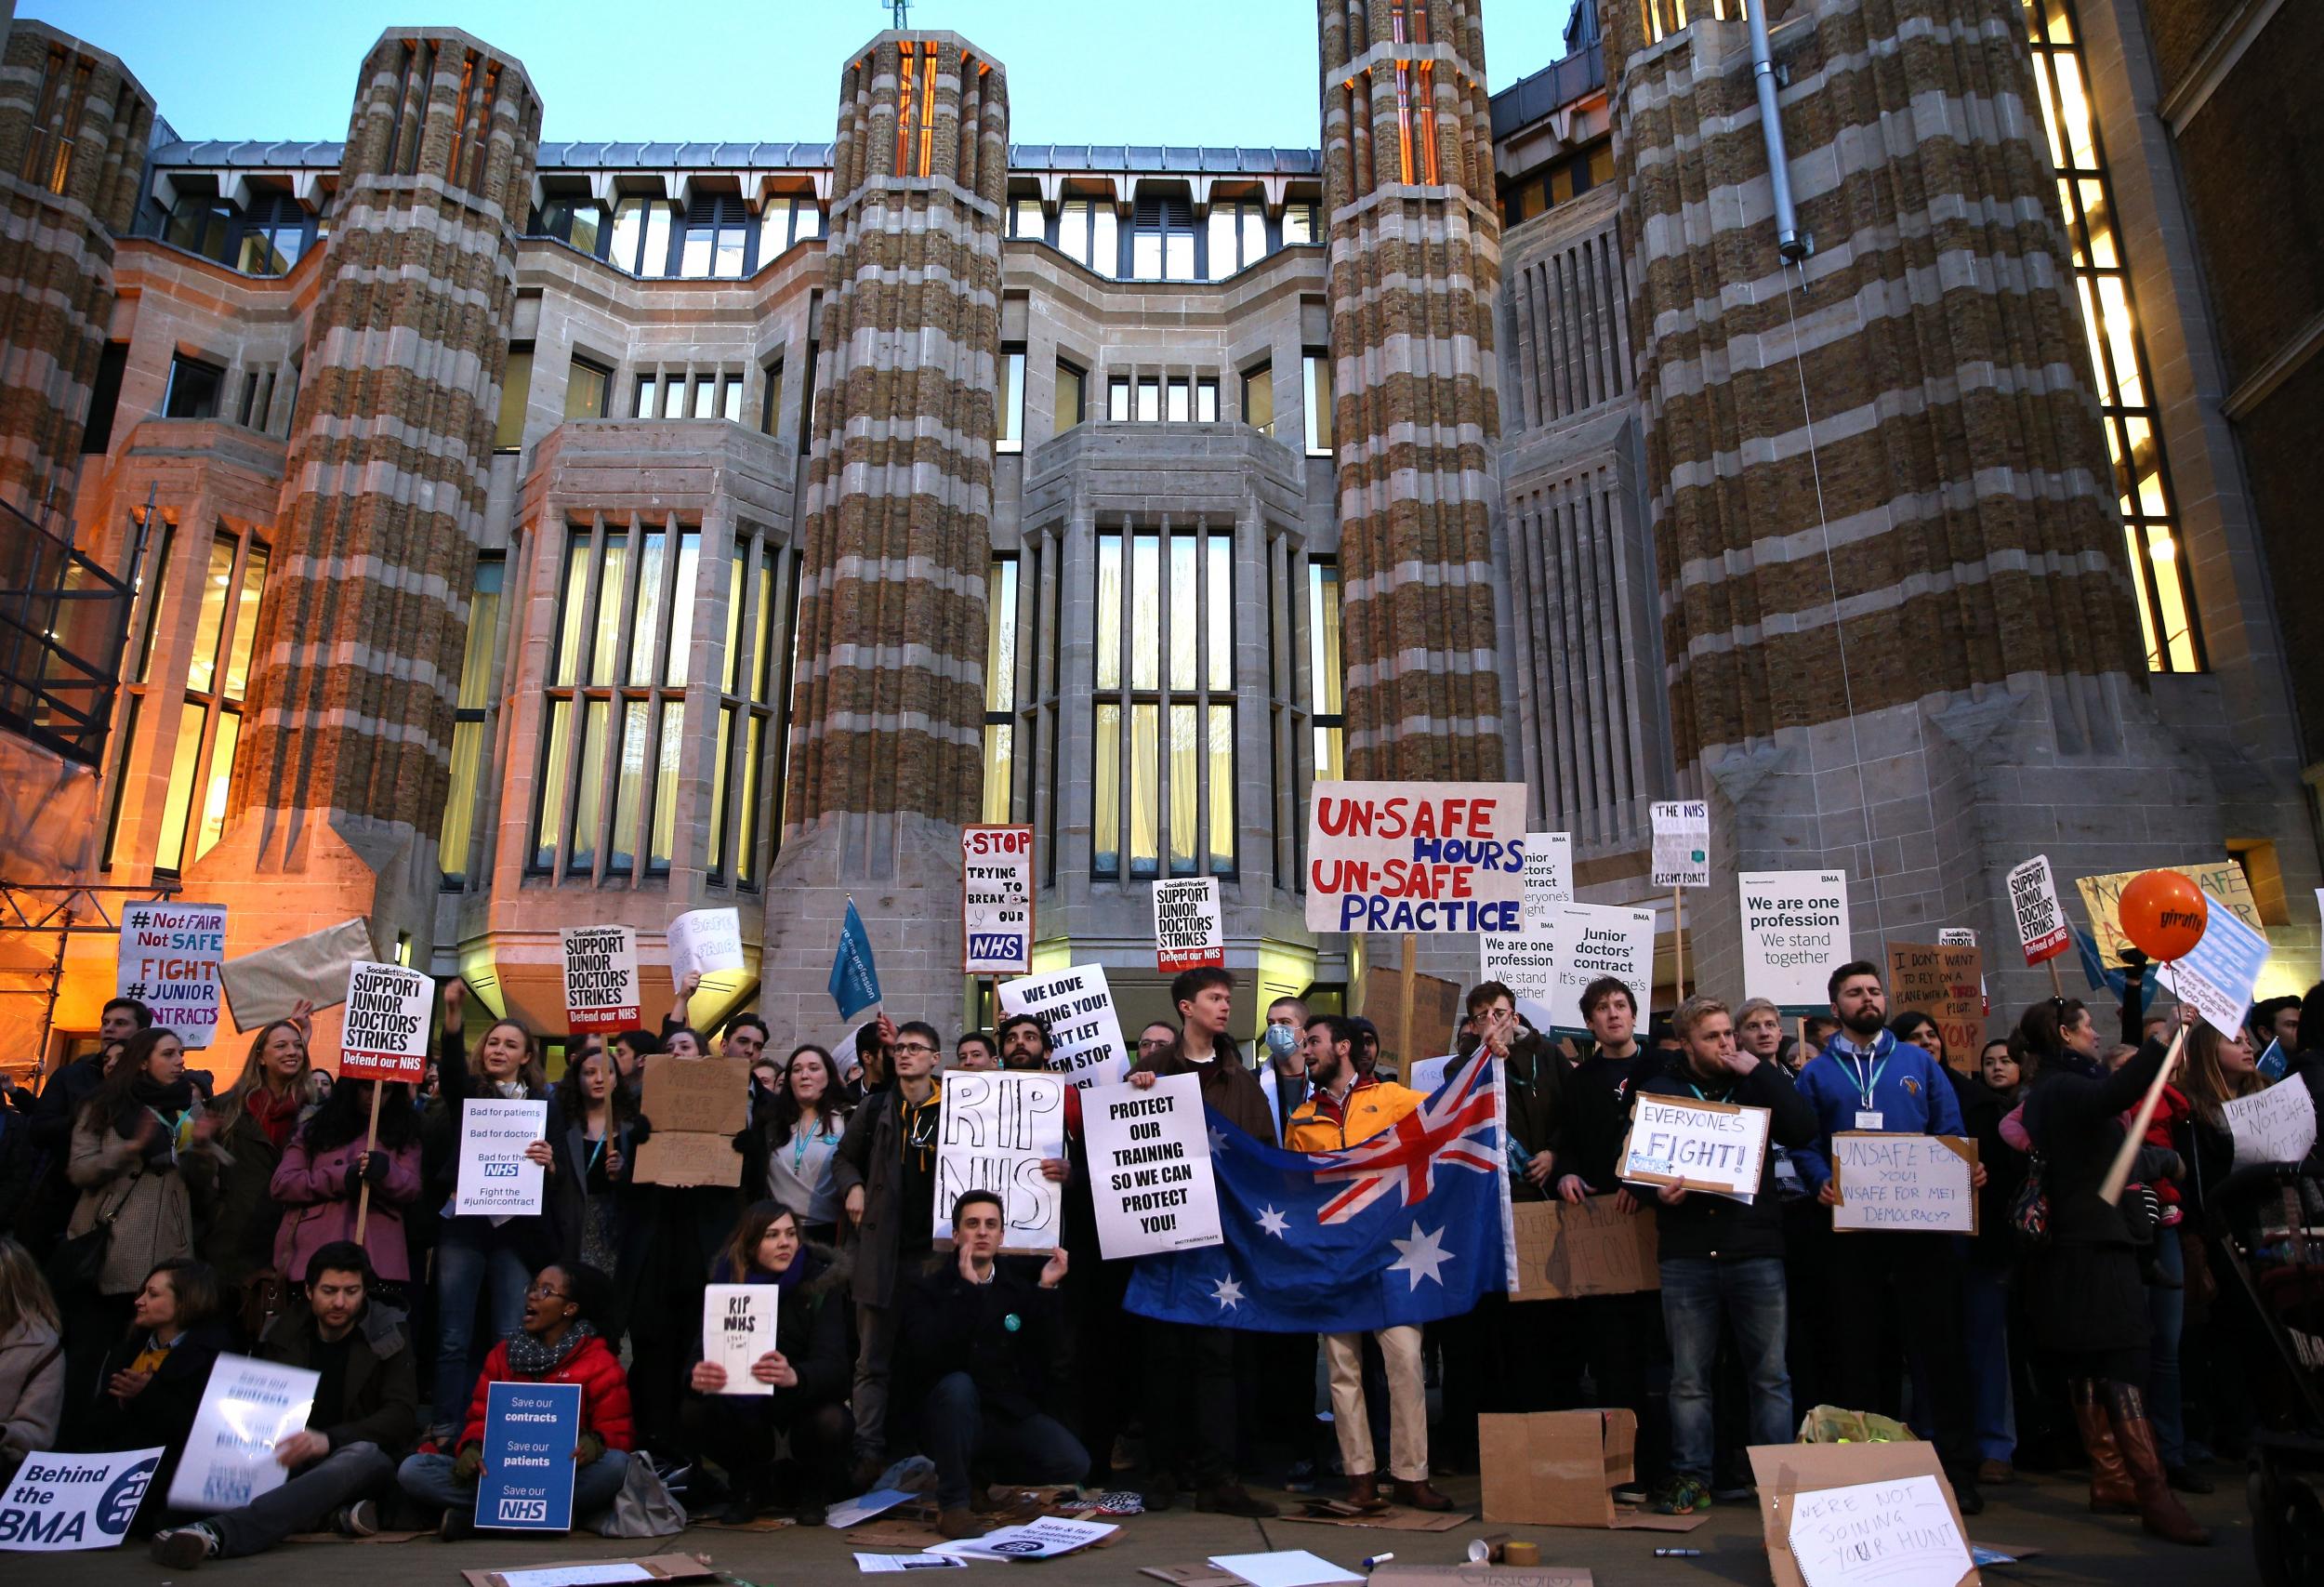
[{"x": 2163, "y": 914}]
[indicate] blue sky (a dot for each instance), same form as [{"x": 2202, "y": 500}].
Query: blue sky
[{"x": 1215, "y": 71}]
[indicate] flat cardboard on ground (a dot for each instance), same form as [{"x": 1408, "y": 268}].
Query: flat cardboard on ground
[
  {"x": 1192, "y": 1575},
  {"x": 696, "y": 1106},
  {"x": 1589, "y": 1250},
  {"x": 1782, "y": 1469},
  {"x": 657, "y": 1567},
  {"x": 1398, "y": 1574},
  {"x": 1395, "y": 1519},
  {"x": 1560, "y": 1468}
]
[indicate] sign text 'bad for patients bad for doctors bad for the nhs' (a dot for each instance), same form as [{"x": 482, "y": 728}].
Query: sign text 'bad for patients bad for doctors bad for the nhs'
[{"x": 1425, "y": 858}]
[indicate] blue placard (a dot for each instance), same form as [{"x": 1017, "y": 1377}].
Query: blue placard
[{"x": 531, "y": 1431}]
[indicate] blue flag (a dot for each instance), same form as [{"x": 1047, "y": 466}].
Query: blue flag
[
  {"x": 854, "y": 978},
  {"x": 1406, "y": 1227}
]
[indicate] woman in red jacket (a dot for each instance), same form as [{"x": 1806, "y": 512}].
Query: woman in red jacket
[{"x": 558, "y": 1344}]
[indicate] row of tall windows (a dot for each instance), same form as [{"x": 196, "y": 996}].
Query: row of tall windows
[
  {"x": 712, "y": 237},
  {"x": 1164, "y": 241}
]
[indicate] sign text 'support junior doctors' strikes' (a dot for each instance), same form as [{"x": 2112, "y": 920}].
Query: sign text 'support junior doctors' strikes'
[
  {"x": 600, "y": 977},
  {"x": 1426, "y": 858}
]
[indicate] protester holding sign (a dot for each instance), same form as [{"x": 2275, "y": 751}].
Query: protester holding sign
[
  {"x": 151, "y": 1382},
  {"x": 256, "y": 1119},
  {"x": 320, "y": 1181}
]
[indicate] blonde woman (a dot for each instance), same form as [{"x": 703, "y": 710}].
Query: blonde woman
[
  {"x": 31, "y": 1361},
  {"x": 255, "y": 1120}
]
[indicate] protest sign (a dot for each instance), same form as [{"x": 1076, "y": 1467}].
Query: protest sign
[
  {"x": 1548, "y": 873},
  {"x": 1150, "y": 1168},
  {"x": 55, "y": 1502},
  {"x": 1892, "y": 1181},
  {"x": 1716, "y": 1147},
  {"x": 1565, "y": 1250},
  {"x": 1078, "y": 1006},
  {"x": 1420, "y": 857},
  {"x": 247, "y": 1408},
  {"x": 737, "y": 1328},
  {"x": 2223, "y": 879},
  {"x": 996, "y": 1129},
  {"x": 1435, "y": 1011},
  {"x": 1571, "y": 946},
  {"x": 1681, "y": 843},
  {"x": 601, "y": 991},
  {"x": 995, "y": 900},
  {"x": 172, "y": 959},
  {"x": 2273, "y": 1125},
  {"x": 497, "y": 1179},
  {"x": 1044, "y": 1538},
  {"x": 1188, "y": 934},
  {"x": 703, "y": 940},
  {"x": 1878, "y": 1534},
  {"x": 1784, "y": 1473},
  {"x": 1795, "y": 934},
  {"x": 2219, "y": 974},
  {"x": 531, "y": 1431},
  {"x": 383, "y": 1025},
  {"x": 1425, "y": 1075},
  {"x": 2033, "y": 903},
  {"x": 696, "y": 1105},
  {"x": 266, "y": 986},
  {"x": 1946, "y": 983}
]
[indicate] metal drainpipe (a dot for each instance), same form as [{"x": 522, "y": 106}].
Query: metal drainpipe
[{"x": 1789, "y": 242}]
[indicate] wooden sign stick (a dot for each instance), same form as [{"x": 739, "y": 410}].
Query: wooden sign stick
[
  {"x": 1404, "y": 1017},
  {"x": 2057, "y": 988},
  {"x": 371, "y": 1144},
  {"x": 2110, "y": 1191},
  {"x": 1678, "y": 940}
]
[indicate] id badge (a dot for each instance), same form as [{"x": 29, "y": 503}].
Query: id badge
[{"x": 1867, "y": 1120}]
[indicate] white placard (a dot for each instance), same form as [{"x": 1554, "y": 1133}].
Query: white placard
[
  {"x": 601, "y": 986},
  {"x": 1795, "y": 934},
  {"x": 1078, "y": 1006},
  {"x": 2033, "y": 903},
  {"x": 994, "y": 1130},
  {"x": 55, "y": 1502},
  {"x": 1892, "y": 1181},
  {"x": 496, "y": 1180},
  {"x": 247, "y": 1408},
  {"x": 2273, "y": 1125},
  {"x": 737, "y": 1328},
  {"x": 1188, "y": 931},
  {"x": 1420, "y": 857},
  {"x": 383, "y": 1022},
  {"x": 2219, "y": 974},
  {"x": 1573, "y": 944},
  {"x": 887, "y": 1564},
  {"x": 1150, "y": 1168},
  {"x": 1043, "y": 1538},
  {"x": 995, "y": 900},
  {"x": 1427, "y": 1074},
  {"x": 704, "y": 940},
  {"x": 1548, "y": 873},
  {"x": 1681, "y": 843},
  {"x": 169, "y": 961},
  {"x": 1718, "y": 1147},
  {"x": 574, "y": 1574},
  {"x": 1284, "y": 1568},
  {"x": 1878, "y": 1534}
]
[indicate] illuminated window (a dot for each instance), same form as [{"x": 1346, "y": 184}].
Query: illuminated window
[
  {"x": 754, "y": 693},
  {"x": 641, "y": 235},
  {"x": 1011, "y": 370},
  {"x": 1086, "y": 230},
  {"x": 1315, "y": 394},
  {"x": 1071, "y": 386},
  {"x": 217, "y": 678},
  {"x": 515, "y": 384},
  {"x": 56, "y": 121},
  {"x": 771, "y": 405},
  {"x": 2117, "y": 352},
  {"x": 469, "y": 716},
  {"x": 783, "y": 223},
  {"x": 1259, "y": 398},
  {"x": 1324, "y": 703},
  {"x": 586, "y": 390},
  {"x": 1238, "y": 237},
  {"x": 1000, "y": 689}
]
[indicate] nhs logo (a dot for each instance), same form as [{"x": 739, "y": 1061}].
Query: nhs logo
[{"x": 996, "y": 944}]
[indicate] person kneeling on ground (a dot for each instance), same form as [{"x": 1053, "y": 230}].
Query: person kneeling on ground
[
  {"x": 366, "y": 1408},
  {"x": 981, "y": 1338},
  {"x": 557, "y": 1344}
]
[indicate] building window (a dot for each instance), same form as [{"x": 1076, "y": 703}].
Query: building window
[
  {"x": 1011, "y": 398},
  {"x": 2117, "y": 350},
  {"x": 579, "y": 223},
  {"x": 783, "y": 223},
  {"x": 807, "y": 401},
  {"x": 516, "y": 384},
  {"x": 1162, "y": 239},
  {"x": 257, "y": 399},
  {"x": 468, "y": 714},
  {"x": 194, "y": 388},
  {"x": 209, "y": 716},
  {"x": 199, "y": 224},
  {"x": 1299, "y": 225},
  {"x": 771, "y": 405},
  {"x": 1072, "y": 383},
  {"x": 761, "y": 627},
  {"x": 1259, "y": 398},
  {"x": 586, "y": 390},
  {"x": 716, "y": 238},
  {"x": 1086, "y": 230},
  {"x": 1025, "y": 220},
  {"x": 1324, "y": 701},
  {"x": 56, "y": 121},
  {"x": 1315, "y": 394},
  {"x": 147, "y": 621},
  {"x": 1000, "y": 689},
  {"x": 1238, "y": 235},
  {"x": 104, "y": 399},
  {"x": 274, "y": 234},
  {"x": 1117, "y": 400},
  {"x": 642, "y": 234}
]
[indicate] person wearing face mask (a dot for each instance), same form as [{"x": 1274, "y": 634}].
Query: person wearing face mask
[
  {"x": 1283, "y": 1076},
  {"x": 255, "y": 1120}
]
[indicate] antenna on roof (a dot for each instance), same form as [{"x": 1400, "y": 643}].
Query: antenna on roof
[{"x": 899, "y": 8}]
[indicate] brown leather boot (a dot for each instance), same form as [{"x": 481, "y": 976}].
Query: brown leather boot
[
  {"x": 1420, "y": 1496},
  {"x": 1364, "y": 1491},
  {"x": 2111, "y": 1492},
  {"x": 2158, "y": 1508}
]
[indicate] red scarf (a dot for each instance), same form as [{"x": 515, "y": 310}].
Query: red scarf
[{"x": 277, "y": 1116}]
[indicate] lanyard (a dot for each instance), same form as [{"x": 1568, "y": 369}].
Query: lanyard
[{"x": 1866, "y": 1075}]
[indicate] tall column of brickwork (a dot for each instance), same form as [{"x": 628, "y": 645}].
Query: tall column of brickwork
[
  {"x": 73, "y": 129},
  {"x": 1415, "y": 262}
]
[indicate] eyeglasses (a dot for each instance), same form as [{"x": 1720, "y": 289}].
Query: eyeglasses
[
  {"x": 1154, "y": 1043},
  {"x": 543, "y": 1292},
  {"x": 914, "y": 1047}
]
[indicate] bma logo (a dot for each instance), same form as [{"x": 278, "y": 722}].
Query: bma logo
[
  {"x": 500, "y": 1170},
  {"x": 521, "y": 1509},
  {"x": 119, "y": 1506},
  {"x": 995, "y": 945}
]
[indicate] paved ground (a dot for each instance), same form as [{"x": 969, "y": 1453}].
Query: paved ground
[{"x": 2037, "y": 1512}]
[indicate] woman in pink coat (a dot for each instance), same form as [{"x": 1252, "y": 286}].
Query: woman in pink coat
[{"x": 322, "y": 1173}]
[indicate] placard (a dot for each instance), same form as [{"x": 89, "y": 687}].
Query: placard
[
  {"x": 737, "y": 1328},
  {"x": 172, "y": 959},
  {"x": 2033, "y": 903},
  {"x": 995, "y": 900},
  {"x": 1784, "y": 1472},
  {"x": 383, "y": 1025},
  {"x": 1576, "y": 944},
  {"x": 1901, "y": 1533},
  {"x": 1714, "y": 1146},
  {"x": 702, "y": 941},
  {"x": 1150, "y": 1168},
  {"x": 1795, "y": 934},
  {"x": 1435, "y": 1011},
  {"x": 2219, "y": 974},
  {"x": 266, "y": 986},
  {"x": 994, "y": 1130},
  {"x": 1078, "y": 1006},
  {"x": 1420, "y": 857},
  {"x": 696, "y": 1105},
  {"x": 2273, "y": 1125},
  {"x": 496, "y": 1180},
  {"x": 1947, "y": 982},
  {"x": 602, "y": 990},
  {"x": 531, "y": 1431},
  {"x": 1548, "y": 873},
  {"x": 57, "y": 1502},
  {"x": 1045, "y": 1537},
  {"x": 1568, "y": 1250},
  {"x": 1188, "y": 933},
  {"x": 1681, "y": 843},
  {"x": 2223, "y": 879},
  {"x": 1895, "y": 1181},
  {"x": 247, "y": 1408}
]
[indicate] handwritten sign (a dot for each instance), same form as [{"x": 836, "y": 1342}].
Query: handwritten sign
[
  {"x": 2220, "y": 972},
  {"x": 496, "y": 1180},
  {"x": 1714, "y": 1146},
  {"x": 1427, "y": 858},
  {"x": 994, "y": 1130},
  {"x": 995, "y": 900},
  {"x": 247, "y": 1408},
  {"x": 602, "y": 990},
  {"x": 1878, "y": 1534},
  {"x": 383, "y": 1027},
  {"x": 1150, "y": 1168},
  {"x": 171, "y": 958},
  {"x": 2273, "y": 1125},
  {"x": 1947, "y": 982},
  {"x": 1681, "y": 843},
  {"x": 1904, "y": 1181},
  {"x": 737, "y": 1328},
  {"x": 704, "y": 940},
  {"x": 57, "y": 1502},
  {"x": 1548, "y": 873},
  {"x": 1589, "y": 1249},
  {"x": 1078, "y": 1006},
  {"x": 1188, "y": 931},
  {"x": 2033, "y": 903},
  {"x": 1795, "y": 934},
  {"x": 2223, "y": 879},
  {"x": 696, "y": 1104}
]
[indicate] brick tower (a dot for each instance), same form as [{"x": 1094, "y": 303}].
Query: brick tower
[
  {"x": 1890, "y": 556},
  {"x": 889, "y": 703},
  {"x": 1415, "y": 263}
]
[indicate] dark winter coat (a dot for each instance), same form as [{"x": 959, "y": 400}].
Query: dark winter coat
[
  {"x": 381, "y": 1403},
  {"x": 2086, "y": 1291},
  {"x": 1003, "y": 1335},
  {"x": 812, "y": 1329},
  {"x": 1707, "y": 1225}
]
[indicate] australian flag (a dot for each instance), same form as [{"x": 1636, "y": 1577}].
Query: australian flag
[{"x": 1406, "y": 1227}]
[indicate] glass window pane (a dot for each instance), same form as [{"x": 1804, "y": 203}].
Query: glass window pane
[
  {"x": 1299, "y": 224},
  {"x": 1145, "y": 613},
  {"x": 550, "y": 818},
  {"x": 747, "y": 856},
  {"x": 1145, "y": 255},
  {"x": 665, "y": 786},
  {"x": 648, "y": 387},
  {"x": 1329, "y": 766},
  {"x": 1104, "y": 242},
  {"x": 1149, "y": 401},
  {"x": 1105, "y": 811},
  {"x": 1109, "y": 611},
  {"x": 1221, "y": 660},
  {"x": 1012, "y": 402},
  {"x": 613, "y": 575},
  {"x": 774, "y": 228},
  {"x": 1117, "y": 402},
  {"x": 629, "y": 232},
  {"x": 1025, "y": 218},
  {"x": 156, "y": 573},
  {"x": 764, "y": 628},
  {"x": 1205, "y": 402},
  {"x": 516, "y": 383},
  {"x": 185, "y": 759},
  {"x": 588, "y": 792},
  {"x": 731, "y": 398},
  {"x": 1222, "y": 231},
  {"x": 2114, "y": 306},
  {"x": 771, "y": 410},
  {"x": 693, "y": 255},
  {"x": 1073, "y": 229},
  {"x": 1221, "y": 822},
  {"x": 681, "y": 623},
  {"x": 459, "y": 812},
  {"x": 585, "y": 391},
  {"x": 221, "y": 774},
  {"x": 2177, "y": 635},
  {"x": 705, "y": 397},
  {"x": 1259, "y": 400},
  {"x": 723, "y": 755},
  {"x": 646, "y": 613},
  {"x": 1000, "y": 635},
  {"x": 731, "y": 250},
  {"x": 1185, "y": 636},
  {"x": 733, "y": 616},
  {"x": 1178, "y": 256},
  {"x": 1317, "y": 390},
  {"x": 999, "y": 770},
  {"x": 629, "y": 787},
  {"x": 1069, "y": 388},
  {"x": 569, "y": 626},
  {"x": 253, "y": 565},
  {"x": 1254, "y": 234},
  {"x": 1323, "y": 630},
  {"x": 210, "y": 627},
  {"x": 1185, "y": 787},
  {"x": 810, "y": 220},
  {"x": 2074, "y": 113},
  {"x": 1180, "y": 406},
  {"x": 1146, "y": 804}
]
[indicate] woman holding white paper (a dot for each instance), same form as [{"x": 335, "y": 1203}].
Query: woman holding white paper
[{"x": 150, "y": 1384}]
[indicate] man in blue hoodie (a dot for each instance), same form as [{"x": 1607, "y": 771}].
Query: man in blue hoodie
[{"x": 1867, "y": 1080}]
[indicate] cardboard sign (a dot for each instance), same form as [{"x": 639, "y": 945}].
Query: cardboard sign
[
  {"x": 1878, "y": 1534},
  {"x": 1714, "y": 1146},
  {"x": 697, "y": 1105},
  {"x": 247, "y": 1408},
  {"x": 737, "y": 1328},
  {"x": 264, "y": 987},
  {"x": 1784, "y": 1473},
  {"x": 1078, "y": 1006},
  {"x": 171, "y": 959},
  {"x": 2273, "y": 1125},
  {"x": 703, "y": 941},
  {"x": 1150, "y": 1168},
  {"x": 1795, "y": 934},
  {"x": 592, "y": 1572},
  {"x": 994, "y": 1132},
  {"x": 1565, "y": 1250},
  {"x": 995, "y": 900},
  {"x": 55, "y": 1502},
  {"x": 1420, "y": 857},
  {"x": 1398, "y": 1574},
  {"x": 602, "y": 990},
  {"x": 496, "y": 1180},
  {"x": 2220, "y": 973},
  {"x": 1560, "y": 1468},
  {"x": 1435, "y": 1011},
  {"x": 1548, "y": 873},
  {"x": 2223, "y": 879},
  {"x": 1188, "y": 933},
  {"x": 531, "y": 1431},
  {"x": 1888, "y": 1181},
  {"x": 1682, "y": 844},
  {"x": 2033, "y": 903},
  {"x": 1946, "y": 983},
  {"x": 383, "y": 1028},
  {"x": 1572, "y": 946}
]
